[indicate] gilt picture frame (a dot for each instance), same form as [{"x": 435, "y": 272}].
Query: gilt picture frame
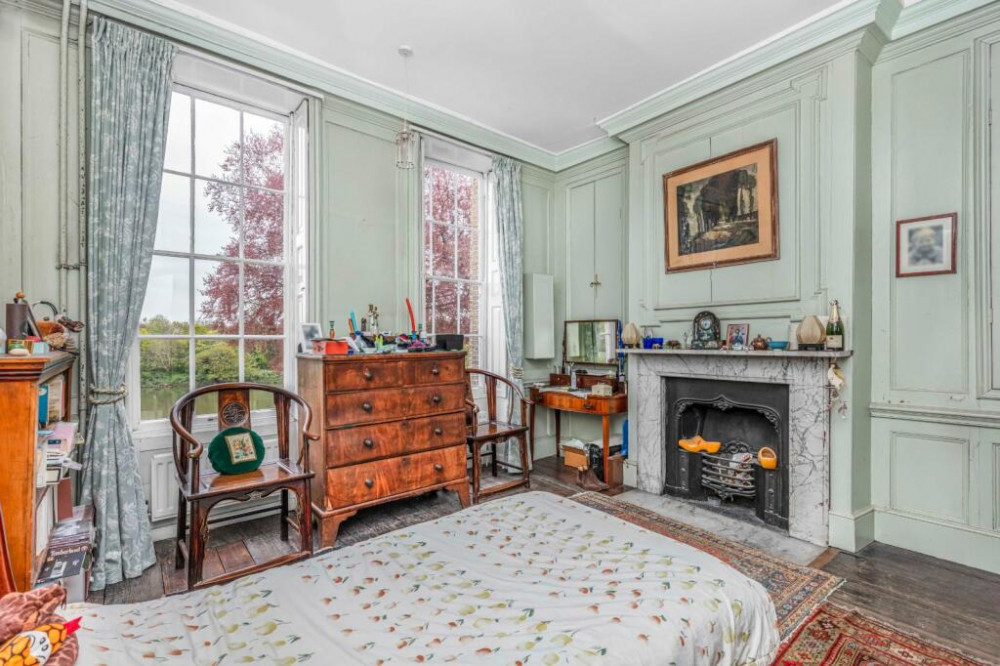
[{"x": 723, "y": 211}]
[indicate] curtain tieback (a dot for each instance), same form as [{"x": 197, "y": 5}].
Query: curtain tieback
[
  {"x": 517, "y": 372},
  {"x": 106, "y": 396}
]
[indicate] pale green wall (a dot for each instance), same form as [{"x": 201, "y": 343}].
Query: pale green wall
[
  {"x": 817, "y": 109},
  {"x": 936, "y": 400}
]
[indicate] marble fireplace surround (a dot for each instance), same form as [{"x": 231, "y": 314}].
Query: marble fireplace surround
[{"x": 805, "y": 373}]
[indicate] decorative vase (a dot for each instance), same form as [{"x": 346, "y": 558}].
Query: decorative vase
[
  {"x": 631, "y": 336},
  {"x": 810, "y": 332}
]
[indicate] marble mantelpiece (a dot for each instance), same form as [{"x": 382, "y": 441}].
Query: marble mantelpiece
[{"x": 809, "y": 419}]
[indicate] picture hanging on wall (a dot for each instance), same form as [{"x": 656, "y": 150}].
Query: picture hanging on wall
[
  {"x": 926, "y": 245},
  {"x": 723, "y": 211}
]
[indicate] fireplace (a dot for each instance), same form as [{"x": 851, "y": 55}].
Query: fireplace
[{"x": 724, "y": 424}]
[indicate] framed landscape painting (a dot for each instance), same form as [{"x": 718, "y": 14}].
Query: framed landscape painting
[{"x": 723, "y": 211}]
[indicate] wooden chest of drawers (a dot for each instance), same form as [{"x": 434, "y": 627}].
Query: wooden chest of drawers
[{"x": 392, "y": 426}]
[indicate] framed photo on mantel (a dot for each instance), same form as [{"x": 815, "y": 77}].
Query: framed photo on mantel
[{"x": 723, "y": 211}]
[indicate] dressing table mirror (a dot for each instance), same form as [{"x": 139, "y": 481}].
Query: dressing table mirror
[{"x": 591, "y": 342}]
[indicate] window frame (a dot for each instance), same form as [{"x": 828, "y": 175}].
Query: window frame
[
  {"x": 484, "y": 230},
  {"x": 155, "y": 428}
]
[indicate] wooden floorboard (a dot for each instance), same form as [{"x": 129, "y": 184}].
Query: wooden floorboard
[
  {"x": 955, "y": 605},
  {"x": 939, "y": 600}
]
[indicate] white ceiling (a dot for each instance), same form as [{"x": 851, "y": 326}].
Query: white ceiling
[{"x": 543, "y": 71}]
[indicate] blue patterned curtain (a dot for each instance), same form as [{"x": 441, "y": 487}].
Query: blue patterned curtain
[
  {"x": 130, "y": 105},
  {"x": 506, "y": 177}
]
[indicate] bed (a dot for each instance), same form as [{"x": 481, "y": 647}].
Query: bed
[{"x": 528, "y": 579}]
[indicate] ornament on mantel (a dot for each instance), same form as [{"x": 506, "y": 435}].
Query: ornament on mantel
[
  {"x": 631, "y": 336},
  {"x": 811, "y": 333}
]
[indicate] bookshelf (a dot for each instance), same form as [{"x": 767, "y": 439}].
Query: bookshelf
[{"x": 29, "y": 510}]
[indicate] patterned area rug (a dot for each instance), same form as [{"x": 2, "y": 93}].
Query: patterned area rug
[
  {"x": 834, "y": 636},
  {"x": 795, "y": 590}
]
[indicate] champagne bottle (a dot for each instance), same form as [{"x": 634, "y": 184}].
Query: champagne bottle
[{"x": 835, "y": 329}]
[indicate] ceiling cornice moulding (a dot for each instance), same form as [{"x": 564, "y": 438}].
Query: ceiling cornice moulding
[
  {"x": 202, "y": 31},
  {"x": 845, "y": 18}
]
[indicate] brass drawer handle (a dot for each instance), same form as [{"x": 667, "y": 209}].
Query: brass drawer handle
[
  {"x": 368, "y": 374},
  {"x": 435, "y": 370},
  {"x": 438, "y": 431},
  {"x": 589, "y": 405},
  {"x": 368, "y": 443},
  {"x": 369, "y": 483},
  {"x": 367, "y": 406},
  {"x": 436, "y": 400},
  {"x": 438, "y": 467}
]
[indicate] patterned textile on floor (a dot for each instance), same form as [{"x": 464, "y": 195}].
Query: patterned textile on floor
[
  {"x": 795, "y": 590},
  {"x": 834, "y": 636}
]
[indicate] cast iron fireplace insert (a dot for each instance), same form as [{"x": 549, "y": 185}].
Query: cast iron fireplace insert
[{"x": 744, "y": 417}]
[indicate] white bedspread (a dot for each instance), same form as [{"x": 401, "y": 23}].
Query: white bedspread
[{"x": 529, "y": 579}]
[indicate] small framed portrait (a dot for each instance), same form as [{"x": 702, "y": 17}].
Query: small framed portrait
[
  {"x": 737, "y": 335},
  {"x": 310, "y": 332},
  {"x": 926, "y": 245}
]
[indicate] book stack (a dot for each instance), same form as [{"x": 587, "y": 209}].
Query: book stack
[
  {"x": 68, "y": 559},
  {"x": 60, "y": 440}
]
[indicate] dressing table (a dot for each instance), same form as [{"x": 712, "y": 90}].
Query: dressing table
[{"x": 591, "y": 343}]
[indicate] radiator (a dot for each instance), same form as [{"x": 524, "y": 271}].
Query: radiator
[{"x": 162, "y": 486}]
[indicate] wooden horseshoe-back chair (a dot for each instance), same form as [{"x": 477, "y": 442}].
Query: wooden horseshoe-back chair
[{"x": 203, "y": 490}]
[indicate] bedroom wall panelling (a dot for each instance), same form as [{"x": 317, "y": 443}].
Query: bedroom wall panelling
[
  {"x": 817, "y": 107},
  {"x": 936, "y": 363}
]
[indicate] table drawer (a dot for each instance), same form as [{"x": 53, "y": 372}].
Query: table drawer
[
  {"x": 370, "y": 481},
  {"x": 347, "y": 446},
  {"x": 437, "y": 371},
  {"x": 435, "y": 399},
  {"x": 365, "y": 406},
  {"x": 362, "y": 374}
]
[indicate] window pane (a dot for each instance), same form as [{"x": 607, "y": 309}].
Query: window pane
[
  {"x": 466, "y": 200},
  {"x": 178, "y": 151},
  {"x": 263, "y": 152},
  {"x": 216, "y": 218},
  {"x": 163, "y": 372},
  {"x": 445, "y": 307},
  {"x": 264, "y": 225},
  {"x": 166, "y": 308},
  {"x": 472, "y": 353},
  {"x": 428, "y": 248},
  {"x": 439, "y": 188},
  {"x": 468, "y": 252},
  {"x": 264, "y": 300},
  {"x": 468, "y": 318},
  {"x": 217, "y": 141},
  {"x": 173, "y": 224},
  {"x": 264, "y": 362},
  {"x": 429, "y": 305},
  {"x": 443, "y": 239},
  {"x": 215, "y": 362},
  {"x": 216, "y": 303}
]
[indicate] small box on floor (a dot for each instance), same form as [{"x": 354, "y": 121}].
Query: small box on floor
[{"x": 575, "y": 454}]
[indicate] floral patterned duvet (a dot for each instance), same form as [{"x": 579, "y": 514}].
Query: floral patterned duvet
[{"x": 529, "y": 579}]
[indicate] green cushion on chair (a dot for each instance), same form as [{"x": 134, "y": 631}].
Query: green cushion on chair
[{"x": 236, "y": 451}]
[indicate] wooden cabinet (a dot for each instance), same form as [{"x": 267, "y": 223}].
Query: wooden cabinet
[
  {"x": 393, "y": 426},
  {"x": 20, "y": 380}
]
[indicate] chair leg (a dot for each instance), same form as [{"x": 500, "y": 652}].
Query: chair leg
[
  {"x": 181, "y": 529},
  {"x": 493, "y": 453},
  {"x": 303, "y": 511},
  {"x": 523, "y": 442},
  {"x": 476, "y": 466},
  {"x": 284, "y": 514},
  {"x": 196, "y": 542}
]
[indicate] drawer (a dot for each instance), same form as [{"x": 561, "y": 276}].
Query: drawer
[
  {"x": 365, "y": 406},
  {"x": 435, "y": 399},
  {"x": 437, "y": 371},
  {"x": 347, "y": 446},
  {"x": 362, "y": 374},
  {"x": 366, "y": 482}
]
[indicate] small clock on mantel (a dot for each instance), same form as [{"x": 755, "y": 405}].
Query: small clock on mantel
[{"x": 706, "y": 331}]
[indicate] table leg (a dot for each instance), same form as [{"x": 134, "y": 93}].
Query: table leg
[
  {"x": 606, "y": 437},
  {"x": 558, "y": 429}
]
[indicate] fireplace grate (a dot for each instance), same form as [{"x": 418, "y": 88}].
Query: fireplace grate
[{"x": 729, "y": 474}]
